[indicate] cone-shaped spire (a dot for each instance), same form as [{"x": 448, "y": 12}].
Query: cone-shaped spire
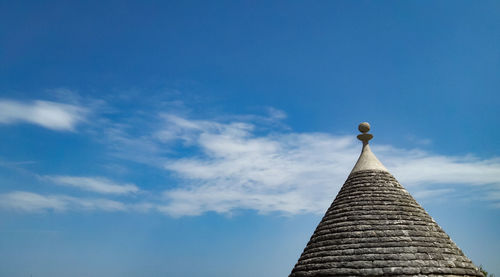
[
  {"x": 367, "y": 160},
  {"x": 374, "y": 227}
]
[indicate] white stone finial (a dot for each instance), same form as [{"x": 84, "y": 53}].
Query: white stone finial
[{"x": 367, "y": 160}]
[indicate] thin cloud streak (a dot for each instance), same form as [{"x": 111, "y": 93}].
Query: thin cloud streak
[
  {"x": 94, "y": 184},
  {"x": 47, "y": 114},
  {"x": 24, "y": 201}
]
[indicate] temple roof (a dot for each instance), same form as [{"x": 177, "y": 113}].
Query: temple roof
[{"x": 374, "y": 227}]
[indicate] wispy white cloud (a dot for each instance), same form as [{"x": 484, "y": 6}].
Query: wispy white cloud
[
  {"x": 32, "y": 202},
  {"x": 51, "y": 115},
  {"x": 94, "y": 184},
  {"x": 236, "y": 168},
  {"x": 247, "y": 162},
  {"x": 420, "y": 168}
]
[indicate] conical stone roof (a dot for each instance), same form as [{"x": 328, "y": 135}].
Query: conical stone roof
[{"x": 374, "y": 227}]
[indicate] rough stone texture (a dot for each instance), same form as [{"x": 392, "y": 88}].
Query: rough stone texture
[{"x": 374, "y": 227}]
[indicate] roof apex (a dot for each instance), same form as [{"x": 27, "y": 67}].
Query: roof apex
[{"x": 367, "y": 160}]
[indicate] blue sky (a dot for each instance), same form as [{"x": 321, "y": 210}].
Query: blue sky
[{"x": 208, "y": 138}]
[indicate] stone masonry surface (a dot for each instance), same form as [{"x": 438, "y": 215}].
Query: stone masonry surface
[{"x": 374, "y": 227}]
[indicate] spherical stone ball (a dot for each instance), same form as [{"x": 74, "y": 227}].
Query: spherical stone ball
[{"x": 364, "y": 127}]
